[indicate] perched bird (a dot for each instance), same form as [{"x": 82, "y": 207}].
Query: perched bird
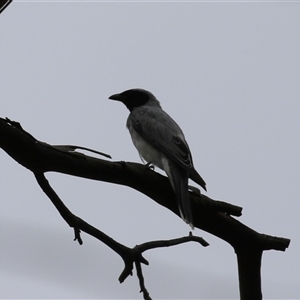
[{"x": 160, "y": 141}]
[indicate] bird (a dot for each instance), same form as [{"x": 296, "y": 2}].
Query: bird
[{"x": 161, "y": 142}]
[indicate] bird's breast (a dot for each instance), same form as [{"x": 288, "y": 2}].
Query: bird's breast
[{"x": 148, "y": 152}]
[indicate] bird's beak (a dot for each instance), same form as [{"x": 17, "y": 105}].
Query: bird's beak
[{"x": 117, "y": 97}]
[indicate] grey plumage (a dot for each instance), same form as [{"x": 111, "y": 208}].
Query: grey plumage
[{"x": 161, "y": 142}]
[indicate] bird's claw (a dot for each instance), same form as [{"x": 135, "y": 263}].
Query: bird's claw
[{"x": 150, "y": 166}]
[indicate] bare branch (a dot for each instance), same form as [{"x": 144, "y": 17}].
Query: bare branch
[
  {"x": 129, "y": 256},
  {"x": 208, "y": 214},
  {"x": 4, "y": 5}
]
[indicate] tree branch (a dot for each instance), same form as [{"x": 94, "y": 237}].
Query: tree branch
[
  {"x": 208, "y": 214},
  {"x": 4, "y": 5},
  {"x": 130, "y": 256}
]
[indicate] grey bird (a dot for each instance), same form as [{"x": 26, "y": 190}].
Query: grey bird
[{"x": 160, "y": 141}]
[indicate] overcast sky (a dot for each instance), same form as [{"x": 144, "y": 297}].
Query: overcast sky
[{"x": 228, "y": 73}]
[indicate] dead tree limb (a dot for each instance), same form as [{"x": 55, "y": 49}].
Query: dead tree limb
[
  {"x": 129, "y": 255},
  {"x": 212, "y": 216}
]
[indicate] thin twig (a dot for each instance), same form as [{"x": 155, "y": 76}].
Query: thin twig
[
  {"x": 168, "y": 243},
  {"x": 140, "y": 276}
]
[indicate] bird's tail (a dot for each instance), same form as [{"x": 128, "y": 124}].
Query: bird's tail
[
  {"x": 179, "y": 181},
  {"x": 195, "y": 176}
]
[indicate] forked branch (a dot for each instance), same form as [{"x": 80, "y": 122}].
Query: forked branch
[
  {"x": 210, "y": 215},
  {"x": 130, "y": 256}
]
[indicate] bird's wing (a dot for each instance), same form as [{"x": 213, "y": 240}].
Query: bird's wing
[{"x": 157, "y": 128}]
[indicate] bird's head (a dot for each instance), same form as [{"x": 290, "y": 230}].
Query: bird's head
[{"x": 135, "y": 98}]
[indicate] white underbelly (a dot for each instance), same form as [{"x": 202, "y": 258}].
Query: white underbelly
[{"x": 149, "y": 153}]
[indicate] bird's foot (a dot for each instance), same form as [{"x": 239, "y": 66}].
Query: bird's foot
[{"x": 149, "y": 166}]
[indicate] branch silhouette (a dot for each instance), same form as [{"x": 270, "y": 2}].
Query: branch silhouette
[
  {"x": 4, "y": 5},
  {"x": 215, "y": 217}
]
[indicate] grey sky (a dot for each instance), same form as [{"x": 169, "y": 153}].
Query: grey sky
[{"x": 228, "y": 73}]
